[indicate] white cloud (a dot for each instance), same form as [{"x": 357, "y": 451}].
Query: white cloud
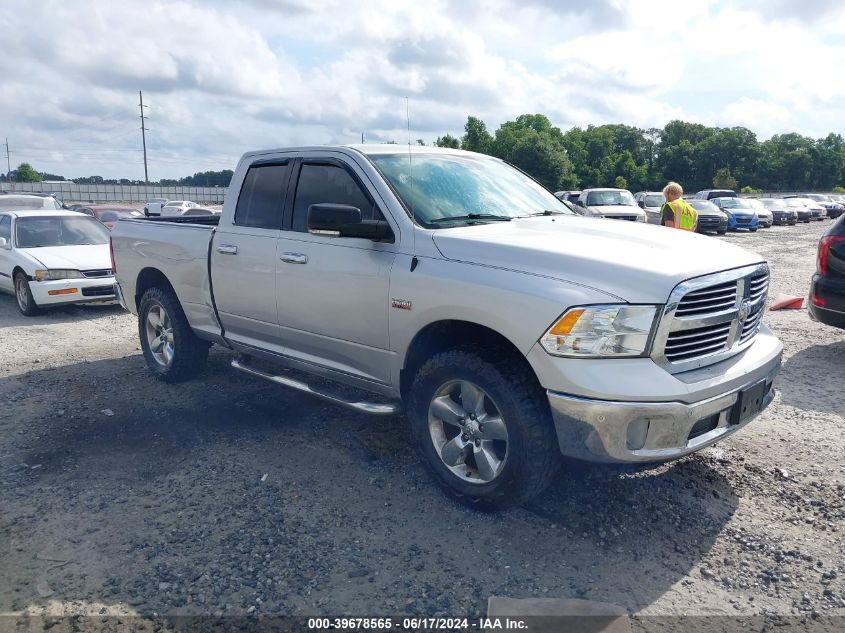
[{"x": 222, "y": 77}]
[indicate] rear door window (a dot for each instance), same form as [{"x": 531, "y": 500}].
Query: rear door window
[{"x": 262, "y": 196}]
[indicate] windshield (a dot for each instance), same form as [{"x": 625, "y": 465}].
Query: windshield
[
  {"x": 33, "y": 232},
  {"x": 735, "y": 203},
  {"x": 772, "y": 203},
  {"x": 453, "y": 186},
  {"x": 654, "y": 200},
  {"x": 610, "y": 199},
  {"x": 703, "y": 206},
  {"x": 16, "y": 203}
]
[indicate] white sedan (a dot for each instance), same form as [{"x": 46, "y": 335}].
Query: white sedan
[
  {"x": 177, "y": 207},
  {"x": 49, "y": 258}
]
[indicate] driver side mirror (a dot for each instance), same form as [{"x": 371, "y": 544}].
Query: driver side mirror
[
  {"x": 340, "y": 220},
  {"x": 4, "y": 243},
  {"x": 642, "y": 204}
]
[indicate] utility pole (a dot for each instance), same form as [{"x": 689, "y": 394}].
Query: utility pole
[
  {"x": 144, "y": 136},
  {"x": 9, "y": 166},
  {"x": 362, "y": 138}
]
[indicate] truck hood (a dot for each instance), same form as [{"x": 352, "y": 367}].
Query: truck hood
[
  {"x": 639, "y": 263},
  {"x": 88, "y": 257}
]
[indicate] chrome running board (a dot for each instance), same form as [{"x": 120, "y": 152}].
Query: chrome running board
[{"x": 372, "y": 408}]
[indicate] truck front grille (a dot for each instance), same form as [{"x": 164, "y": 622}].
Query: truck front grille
[{"x": 710, "y": 318}]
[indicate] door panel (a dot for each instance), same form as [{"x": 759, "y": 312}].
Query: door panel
[
  {"x": 243, "y": 257},
  {"x": 333, "y": 309},
  {"x": 6, "y": 282},
  {"x": 333, "y": 292}
]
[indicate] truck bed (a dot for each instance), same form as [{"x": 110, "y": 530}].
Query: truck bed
[{"x": 176, "y": 248}]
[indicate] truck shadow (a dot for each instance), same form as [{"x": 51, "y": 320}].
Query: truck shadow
[
  {"x": 812, "y": 378},
  {"x": 202, "y": 497}
]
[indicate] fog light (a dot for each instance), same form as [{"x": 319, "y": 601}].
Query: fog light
[{"x": 637, "y": 432}]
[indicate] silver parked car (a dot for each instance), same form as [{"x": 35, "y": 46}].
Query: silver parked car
[{"x": 616, "y": 204}]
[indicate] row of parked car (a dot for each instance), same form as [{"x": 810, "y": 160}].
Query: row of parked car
[{"x": 719, "y": 210}]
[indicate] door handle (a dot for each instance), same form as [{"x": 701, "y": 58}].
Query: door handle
[
  {"x": 294, "y": 258},
  {"x": 227, "y": 249}
]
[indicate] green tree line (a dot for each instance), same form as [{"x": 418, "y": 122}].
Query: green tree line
[
  {"x": 26, "y": 173},
  {"x": 697, "y": 156}
]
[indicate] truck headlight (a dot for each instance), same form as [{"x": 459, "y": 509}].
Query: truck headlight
[
  {"x": 601, "y": 331},
  {"x": 57, "y": 273}
]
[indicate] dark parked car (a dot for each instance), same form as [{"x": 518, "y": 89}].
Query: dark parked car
[
  {"x": 817, "y": 210},
  {"x": 651, "y": 202},
  {"x": 710, "y": 217},
  {"x": 781, "y": 212},
  {"x": 827, "y": 289},
  {"x": 741, "y": 215},
  {"x": 801, "y": 208},
  {"x": 709, "y": 194},
  {"x": 571, "y": 196}
]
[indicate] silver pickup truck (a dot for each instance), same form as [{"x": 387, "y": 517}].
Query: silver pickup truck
[{"x": 451, "y": 287}]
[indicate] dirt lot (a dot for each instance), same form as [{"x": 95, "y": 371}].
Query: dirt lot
[{"x": 227, "y": 495}]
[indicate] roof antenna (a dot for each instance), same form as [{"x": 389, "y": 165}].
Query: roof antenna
[{"x": 414, "y": 260}]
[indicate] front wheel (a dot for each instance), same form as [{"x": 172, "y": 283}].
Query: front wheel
[
  {"x": 753, "y": 230},
  {"x": 722, "y": 231},
  {"x": 26, "y": 302},
  {"x": 172, "y": 351},
  {"x": 483, "y": 429}
]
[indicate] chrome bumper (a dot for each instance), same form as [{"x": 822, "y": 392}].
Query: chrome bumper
[{"x": 630, "y": 432}]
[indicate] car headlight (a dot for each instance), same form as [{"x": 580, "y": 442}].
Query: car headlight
[
  {"x": 601, "y": 331},
  {"x": 57, "y": 273}
]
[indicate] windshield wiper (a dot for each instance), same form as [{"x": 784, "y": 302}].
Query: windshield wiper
[
  {"x": 474, "y": 216},
  {"x": 545, "y": 212}
]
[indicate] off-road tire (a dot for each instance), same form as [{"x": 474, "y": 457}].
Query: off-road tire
[
  {"x": 27, "y": 305},
  {"x": 190, "y": 353},
  {"x": 533, "y": 453}
]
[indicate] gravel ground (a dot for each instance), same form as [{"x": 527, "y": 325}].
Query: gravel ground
[{"x": 228, "y": 495}]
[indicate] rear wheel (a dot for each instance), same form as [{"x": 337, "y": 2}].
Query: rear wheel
[
  {"x": 483, "y": 429},
  {"x": 172, "y": 351},
  {"x": 26, "y": 302}
]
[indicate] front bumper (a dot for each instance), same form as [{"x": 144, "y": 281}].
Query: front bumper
[
  {"x": 742, "y": 222},
  {"x": 64, "y": 291},
  {"x": 711, "y": 223},
  {"x": 656, "y": 416},
  {"x": 631, "y": 432}
]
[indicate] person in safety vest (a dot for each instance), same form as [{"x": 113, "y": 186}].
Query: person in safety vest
[{"x": 677, "y": 212}]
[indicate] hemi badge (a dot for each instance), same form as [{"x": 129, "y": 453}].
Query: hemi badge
[{"x": 400, "y": 304}]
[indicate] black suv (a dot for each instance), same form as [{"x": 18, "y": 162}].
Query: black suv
[{"x": 827, "y": 289}]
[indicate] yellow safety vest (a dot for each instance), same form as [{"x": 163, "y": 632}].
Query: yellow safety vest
[{"x": 686, "y": 217}]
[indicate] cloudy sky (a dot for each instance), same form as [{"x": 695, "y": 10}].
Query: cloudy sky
[{"x": 225, "y": 76}]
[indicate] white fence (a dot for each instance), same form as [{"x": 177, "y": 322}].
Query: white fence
[{"x": 72, "y": 192}]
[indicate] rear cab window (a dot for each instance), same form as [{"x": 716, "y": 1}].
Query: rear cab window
[{"x": 262, "y": 195}]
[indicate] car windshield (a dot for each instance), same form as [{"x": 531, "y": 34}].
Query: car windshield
[
  {"x": 772, "y": 203},
  {"x": 17, "y": 203},
  {"x": 735, "y": 203},
  {"x": 470, "y": 189},
  {"x": 35, "y": 232},
  {"x": 609, "y": 199},
  {"x": 654, "y": 200}
]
